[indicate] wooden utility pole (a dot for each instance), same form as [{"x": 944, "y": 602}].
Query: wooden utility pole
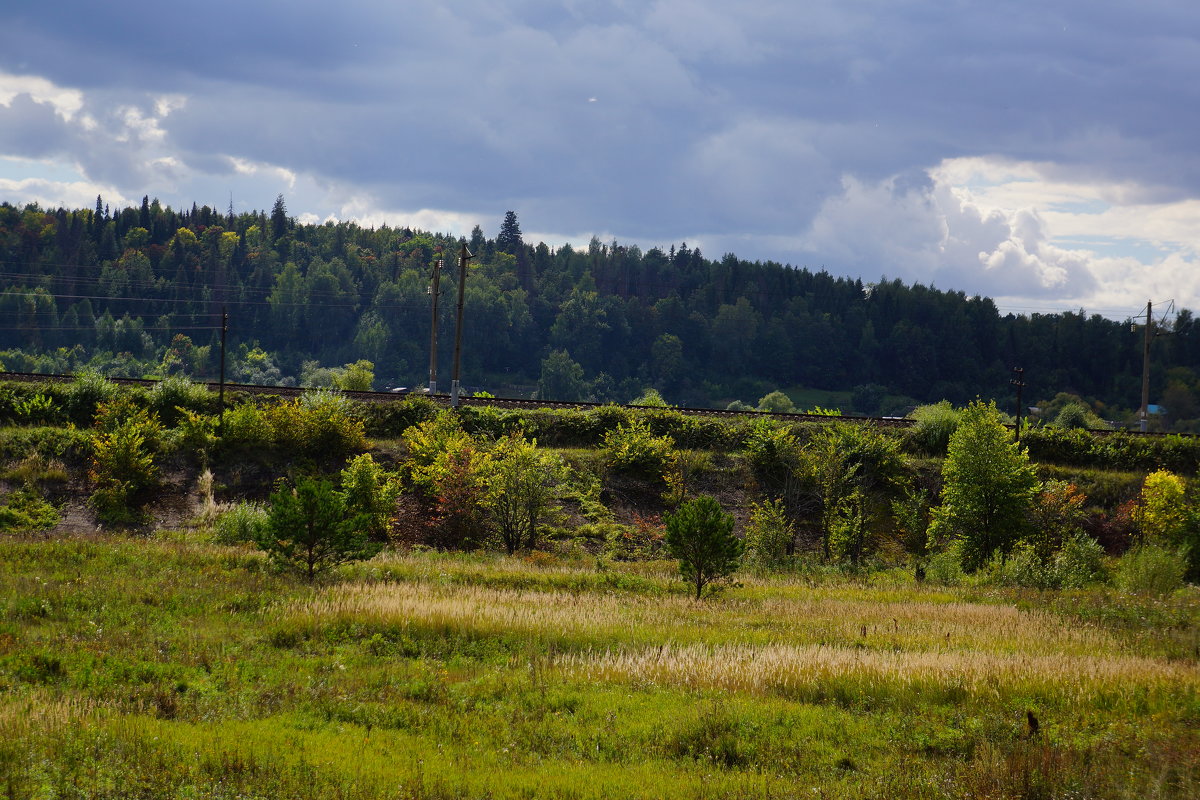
[
  {"x": 221, "y": 393},
  {"x": 464, "y": 255},
  {"x": 433, "y": 325},
  {"x": 1144, "y": 414},
  {"x": 1019, "y": 382}
]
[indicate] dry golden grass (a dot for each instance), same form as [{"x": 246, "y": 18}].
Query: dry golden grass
[
  {"x": 787, "y": 669},
  {"x": 42, "y": 711},
  {"x": 802, "y": 617}
]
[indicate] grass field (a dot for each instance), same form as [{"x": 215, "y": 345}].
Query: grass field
[{"x": 170, "y": 667}]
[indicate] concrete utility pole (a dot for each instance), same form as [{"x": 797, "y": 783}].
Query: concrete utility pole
[
  {"x": 1144, "y": 414},
  {"x": 433, "y": 325},
  {"x": 464, "y": 255}
]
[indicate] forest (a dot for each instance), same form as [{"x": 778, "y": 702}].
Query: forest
[{"x": 139, "y": 292}]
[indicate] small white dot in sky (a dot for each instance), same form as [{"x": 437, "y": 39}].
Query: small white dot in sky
[{"x": 591, "y": 99}]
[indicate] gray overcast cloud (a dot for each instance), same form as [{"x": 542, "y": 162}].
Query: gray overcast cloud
[{"x": 1040, "y": 152}]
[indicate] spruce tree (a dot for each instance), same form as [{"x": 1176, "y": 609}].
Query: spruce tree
[
  {"x": 279, "y": 219},
  {"x": 509, "y": 241}
]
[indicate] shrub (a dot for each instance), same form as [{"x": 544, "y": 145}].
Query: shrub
[
  {"x": 327, "y": 425},
  {"x": 242, "y": 523},
  {"x": 89, "y": 390},
  {"x": 522, "y": 491},
  {"x": 393, "y": 419},
  {"x": 772, "y": 451},
  {"x": 459, "y": 481},
  {"x": 1056, "y": 515},
  {"x": 632, "y": 449},
  {"x": 25, "y": 511},
  {"x": 641, "y": 541},
  {"x": 195, "y": 434},
  {"x": 768, "y": 535},
  {"x": 371, "y": 492},
  {"x": 172, "y": 396},
  {"x": 912, "y": 516},
  {"x": 935, "y": 424},
  {"x": 650, "y": 398},
  {"x": 1151, "y": 569},
  {"x": 1079, "y": 562},
  {"x": 1022, "y": 567},
  {"x": 246, "y": 427},
  {"x": 70, "y": 444},
  {"x": 426, "y": 443},
  {"x": 36, "y": 409},
  {"x": 37, "y": 469},
  {"x": 776, "y": 402},
  {"x": 1163, "y": 507},
  {"x": 945, "y": 568},
  {"x": 123, "y": 461},
  {"x": 853, "y": 470},
  {"x": 700, "y": 535}
]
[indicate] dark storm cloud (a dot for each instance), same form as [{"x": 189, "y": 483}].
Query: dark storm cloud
[{"x": 739, "y": 122}]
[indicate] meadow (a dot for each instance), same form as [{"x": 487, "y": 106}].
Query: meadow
[{"x": 167, "y": 666}]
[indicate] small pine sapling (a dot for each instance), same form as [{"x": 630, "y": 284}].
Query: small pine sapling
[{"x": 701, "y": 536}]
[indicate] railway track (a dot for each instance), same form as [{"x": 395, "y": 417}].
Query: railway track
[
  {"x": 494, "y": 402},
  {"x": 518, "y": 403}
]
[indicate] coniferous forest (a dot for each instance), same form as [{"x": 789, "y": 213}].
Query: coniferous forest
[{"x": 139, "y": 291}]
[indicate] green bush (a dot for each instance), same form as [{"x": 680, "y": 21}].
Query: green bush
[
  {"x": 1113, "y": 451},
  {"x": 172, "y": 396},
  {"x": 88, "y": 391},
  {"x": 69, "y": 444},
  {"x": 321, "y": 425},
  {"x": 772, "y": 451},
  {"x": 1022, "y": 567},
  {"x": 1151, "y": 569},
  {"x": 945, "y": 568},
  {"x": 768, "y": 535},
  {"x": 26, "y": 511},
  {"x": 370, "y": 492},
  {"x": 36, "y": 409},
  {"x": 390, "y": 420},
  {"x": 123, "y": 468},
  {"x": 1079, "y": 562},
  {"x": 243, "y": 523},
  {"x": 934, "y": 426},
  {"x": 632, "y": 449},
  {"x": 247, "y": 427},
  {"x": 641, "y": 541}
]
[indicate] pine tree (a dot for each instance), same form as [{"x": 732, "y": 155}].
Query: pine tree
[
  {"x": 701, "y": 536},
  {"x": 310, "y": 530}
]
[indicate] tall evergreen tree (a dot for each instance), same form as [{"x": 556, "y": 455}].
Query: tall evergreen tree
[
  {"x": 279, "y": 219},
  {"x": 509, "y": 241}
]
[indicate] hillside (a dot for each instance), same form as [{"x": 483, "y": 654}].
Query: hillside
[{"x": 139, "y": 292}]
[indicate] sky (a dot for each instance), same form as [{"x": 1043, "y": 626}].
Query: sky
[{"x": 1041, "y": 152}]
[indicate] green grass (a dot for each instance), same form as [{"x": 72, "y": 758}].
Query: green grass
[{"x": 171, "y": 667}]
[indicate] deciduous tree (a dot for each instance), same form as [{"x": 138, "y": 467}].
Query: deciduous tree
[{"x": 988, "y": 487}]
